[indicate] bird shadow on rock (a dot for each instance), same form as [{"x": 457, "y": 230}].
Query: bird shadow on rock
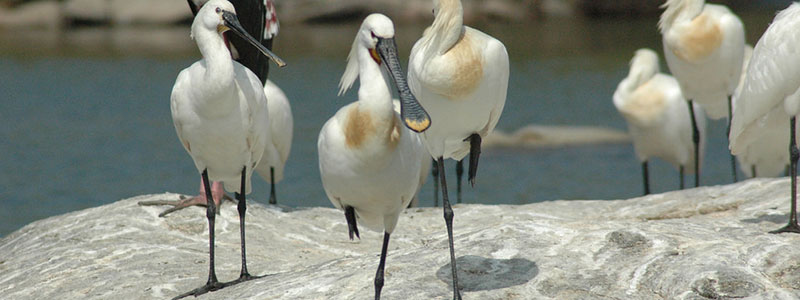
[{"x": 477, "y": 273}]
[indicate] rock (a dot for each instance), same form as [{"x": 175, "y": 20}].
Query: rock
[
  {"x": 703, "y": 243},
  {"x": 45, "y": 14},
  {"x": 87, "y": 11},
  {"x": 540, "y": 136},
  {"x": 126, "y": 12}
]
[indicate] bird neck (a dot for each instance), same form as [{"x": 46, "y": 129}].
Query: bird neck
[
  {"x": 679, "y": 10},
  {"x": 217, "y": 57},
  {"x": 640, "y": 72},
  {"x": 373, "y": 91},
  {"x": 447, "y": 27}
]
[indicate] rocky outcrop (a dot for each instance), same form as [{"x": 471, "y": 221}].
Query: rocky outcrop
[
  {"x": 703, "y": 243},
  {"x": 124, "y": 12},
  {"x": 543, "y": 136}
]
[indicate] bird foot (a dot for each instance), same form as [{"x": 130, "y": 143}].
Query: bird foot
[
  {"x": 209, "y": 287},
  {"x": 791, "y": 227},
  {"x": 242, "y": 278},
  {"x": 184, "y": 202}
]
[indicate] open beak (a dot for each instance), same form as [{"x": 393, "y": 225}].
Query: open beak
[
  {"x": 232, "y": 22},
  {"x": 414, "y": 116}
]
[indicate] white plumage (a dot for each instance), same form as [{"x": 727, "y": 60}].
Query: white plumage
[
  {"x": 281, "y": 124},
  {"x": 221, "y": 116},
  {"x": 219, "y": 109},
  {"x": 657, "y": 114},
  {"x": 367, "y": 158},
  {"x": 767, "y": 155},
  {"x": 460, "y": 76},
  {"x": 770, "y": 92},
  {"x": 773, "y": 75},
  {"x": 704, "y": 48},
  {"x": 369, "y": 162}
]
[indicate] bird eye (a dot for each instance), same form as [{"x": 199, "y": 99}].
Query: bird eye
[{"x": 218, "y": 10}]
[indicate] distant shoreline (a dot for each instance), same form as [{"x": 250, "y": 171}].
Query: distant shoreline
[{"x": 79, "y": 13}]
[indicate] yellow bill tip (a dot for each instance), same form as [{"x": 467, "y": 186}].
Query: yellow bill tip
[{"x": 418, "y": 125}]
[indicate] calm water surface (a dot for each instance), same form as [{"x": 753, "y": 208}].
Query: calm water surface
[{"x": 86, "y": 117}]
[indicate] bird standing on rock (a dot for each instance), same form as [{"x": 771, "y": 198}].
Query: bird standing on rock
[
  {"x": 771, "y": 90},
  {"x": 658, "y": 121},
  {"x": 704, "y": 49},
  {"x": 370, "y": 164},
  {"x": 460, "y": 76},
  {"x": 259, "y": 18},
  {"x": 220, "y": 115}
]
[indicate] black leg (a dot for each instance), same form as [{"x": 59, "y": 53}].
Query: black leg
[
  {"x": 793, "y": 156},
  {"x": 474, "y": 155},
  {"x": 696, "y": 140},
  {"x": 753, "y": 171},
  {"x": 645, "y": 178},
  {"x": 728, "y": 135},
  {"x": 379, "y": 274},
  {"x": 242, "y": 207},
  {"x": 435, "y": 173},
  {"x": 680, "y": 173},
  {"x": 459, "y": 176},
  {"x": 272, "y": 198},
  {"x": 448, "y": 221},
  {"x": 352, "y": 226},
  {"x": 212, "y": 284}
]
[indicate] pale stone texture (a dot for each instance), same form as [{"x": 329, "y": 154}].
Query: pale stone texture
[
  {"x": 704, "y": 243},
  {"x": 541, "y": 136}
]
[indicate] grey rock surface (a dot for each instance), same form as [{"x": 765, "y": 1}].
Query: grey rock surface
[
  {"x": 704, "y": 243},
  {"x": 546, "y": 136}
]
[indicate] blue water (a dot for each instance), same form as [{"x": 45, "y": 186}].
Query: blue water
[{"x": 84, "y": 127}]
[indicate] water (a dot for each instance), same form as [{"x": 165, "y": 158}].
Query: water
[{"x": 86, "y": 117}]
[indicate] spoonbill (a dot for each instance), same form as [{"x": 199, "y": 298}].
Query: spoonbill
[
  {"x": 658, "y": 120},
  {"x": 770, "y": 90},
  {"x": 220, "y": 115},
  {"x": 460, "y": 76},
  {"x": 704, "y": 49},
  {"x": 767, "y": 155},
  {"x": 370, "y": 164},
  {"x": 260, "y": 19},
  {"x": 281, "y": 125},
  {"x": 426, "y": 166}
]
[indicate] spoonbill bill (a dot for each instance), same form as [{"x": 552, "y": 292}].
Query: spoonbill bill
[
  {"x": 220, "y": 115},
  {"x": 770, "y": 90},
  {"x": 370, "y": 164},
  {"x": 657, "y": 116},
  {"x": 704, "y": 49},
  {"x": 460, "y": 76}
]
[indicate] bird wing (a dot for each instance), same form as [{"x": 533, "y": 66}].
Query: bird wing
[
  {"x": 178, "y": 99},
  {"x": 772, "y": 75},
  {"x": 496, "y": 56}
]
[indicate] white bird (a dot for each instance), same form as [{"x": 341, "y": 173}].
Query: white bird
[
  {"x": 657, "y": 115},
  {"x": 704, "y": 48},
  {"x": 370, "y": 164},
  {"x": 220, "y": 115},
  {"x": 767, "y": 155},
  {"x": 281, "y": 125},
  {"x": 259, "y": 19},
  {"x": 460, "y": 75},
  {"x": 426, "y": 165},
  {"x": 770, "y": 89}
]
